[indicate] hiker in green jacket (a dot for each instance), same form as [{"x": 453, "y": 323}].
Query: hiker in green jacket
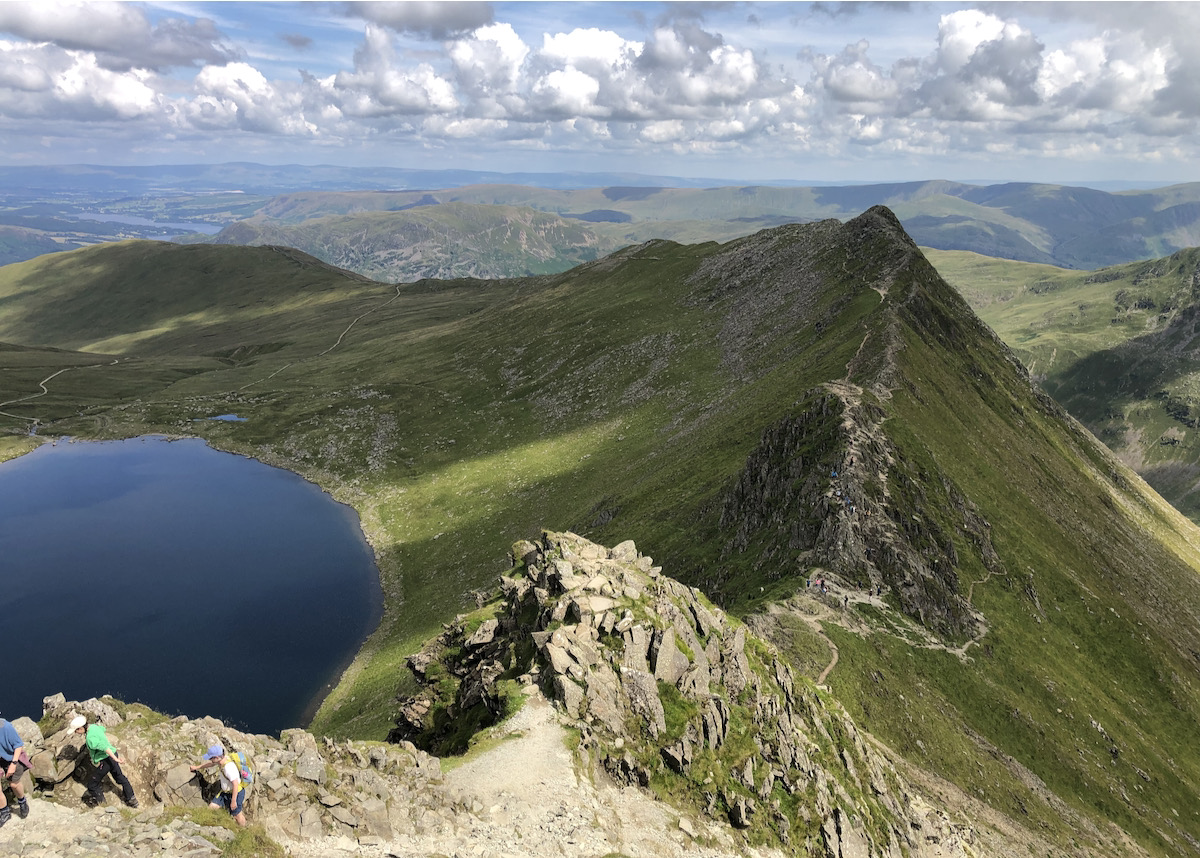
[
  {"x": 233, "y": 789},
  {"x": 106, "y": 760}
]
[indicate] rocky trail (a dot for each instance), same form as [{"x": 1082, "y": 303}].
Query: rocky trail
[
  {"x": 526, "y": 796},
  {"x": 837, "y": 607}
]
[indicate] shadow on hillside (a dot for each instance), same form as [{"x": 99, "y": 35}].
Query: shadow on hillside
[{"x": 1143, "y": 368}]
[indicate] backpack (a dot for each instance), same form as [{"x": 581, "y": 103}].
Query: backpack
[{"x": 243, "y": 765}]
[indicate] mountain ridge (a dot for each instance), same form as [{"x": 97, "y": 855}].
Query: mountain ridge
[{"x": 637, "y": 393}]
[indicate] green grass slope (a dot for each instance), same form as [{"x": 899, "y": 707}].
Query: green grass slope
[
  {"x": 1116, "y": 347},
  {"x": 809, "y": 400}
]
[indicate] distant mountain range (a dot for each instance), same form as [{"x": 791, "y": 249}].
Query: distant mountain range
[
  {"x": 444, "y": 242},
  {"x": 1073, "y": 227},
  {"x": 264, "y": 179},
  {"x": 1069, "y": 227}
]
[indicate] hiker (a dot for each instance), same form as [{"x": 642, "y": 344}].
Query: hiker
[
  {"x": 16, "y": 763},
  {"x": 106, "y": 761},
  {"x": 233, "y": 789}
]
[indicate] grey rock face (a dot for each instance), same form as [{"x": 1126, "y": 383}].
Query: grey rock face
[{"x": 659, "y": 682}]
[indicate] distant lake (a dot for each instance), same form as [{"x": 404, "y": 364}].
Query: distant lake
[
  {"x": 168, "y": 573},
  {"x": 134, "y": 220}
]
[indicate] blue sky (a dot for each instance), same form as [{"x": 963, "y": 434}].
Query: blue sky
[{"x": 1058, "y": 92}]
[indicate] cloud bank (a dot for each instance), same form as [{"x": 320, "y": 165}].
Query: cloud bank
[{"x": 1072, "y": 81}]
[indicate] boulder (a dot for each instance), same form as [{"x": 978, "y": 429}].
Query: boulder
[
  {"x": 29, "y": 731},
  {"x": 740, "y": 810},
  {"x": 637, "y": 645},
  {"x": 623, "y": 552},
  {"x": 642, "y": 690},
  {"x": 603, "y": 697},
  {"x": 669, "y": 663},
  {"x": 485, "y": 634},
  {"x": 311, "y": 767}
]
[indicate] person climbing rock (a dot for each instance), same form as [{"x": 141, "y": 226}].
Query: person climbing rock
[
  {"x": 15, "y": 762},
  {"x": 233, "y": 791},
  {"x": 106, "y": 761}
]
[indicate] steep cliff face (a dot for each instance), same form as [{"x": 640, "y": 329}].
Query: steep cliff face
[
  {"x": 667, "y": 693},
  {"x": 827, "y": 493}
]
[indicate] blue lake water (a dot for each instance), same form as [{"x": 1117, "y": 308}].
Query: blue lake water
[
  {"x": 168, "y": 573},
  {"x": 133, "y": 220}
]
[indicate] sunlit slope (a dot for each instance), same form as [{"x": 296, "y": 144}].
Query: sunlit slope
[
  {"x": 155, "y": 298},
  {"x": 1087, "y": 675},
  {"x": 1116, "y": 347},
  {"x": 699, "y": 399}
]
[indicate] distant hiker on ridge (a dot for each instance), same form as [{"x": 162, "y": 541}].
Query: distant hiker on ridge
[
  {"x": 106, "y": 760},
  {"x": 16, "y": 763},
  {"x": 233, "y": 786}
]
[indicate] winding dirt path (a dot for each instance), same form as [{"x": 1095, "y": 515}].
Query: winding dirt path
[
  {"x": 832, "y": 662},
  {"x": 814, "y": 610},
  {"x": 337, "y": 343},
  {"x": 33, "y": 421}
]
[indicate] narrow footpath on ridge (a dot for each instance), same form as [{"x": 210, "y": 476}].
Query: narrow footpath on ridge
[{"x": 815, "y": 608}]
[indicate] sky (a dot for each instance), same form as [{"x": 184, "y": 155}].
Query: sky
[{"x": 1052, "y": 92}]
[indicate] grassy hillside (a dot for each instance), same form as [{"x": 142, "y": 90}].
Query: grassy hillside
[
  {"x": 812, "y": 400},
  {"x": 1116, "y": 347},
  {"x": 18, "y": 243}
]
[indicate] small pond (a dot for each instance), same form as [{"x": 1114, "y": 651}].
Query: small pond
[{"x": 168, "y": 573}]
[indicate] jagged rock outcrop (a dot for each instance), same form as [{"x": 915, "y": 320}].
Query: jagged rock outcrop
[
  {"x": 666, "y": 692},
  {"x": 668, "y": 698}
]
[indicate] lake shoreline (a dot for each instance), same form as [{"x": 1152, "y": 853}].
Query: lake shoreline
[{"x": 344, "y": 668}]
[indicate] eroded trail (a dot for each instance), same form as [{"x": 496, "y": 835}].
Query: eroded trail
[
  {"x": 34, "y": 422},
  {"x": 336, "y": 343},
  {"x": 867, "y": 457},
  {"x": 838, "y": 607}
]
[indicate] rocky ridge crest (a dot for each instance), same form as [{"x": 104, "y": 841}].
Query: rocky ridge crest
[{"x": 670, "y": 694}]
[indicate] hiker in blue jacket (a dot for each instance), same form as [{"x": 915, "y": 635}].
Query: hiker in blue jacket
[
  {"x": 15, "y": 762},
  {"x": 233, "y": 789}
]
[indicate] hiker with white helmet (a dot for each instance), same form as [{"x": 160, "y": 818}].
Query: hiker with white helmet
[
  {"x": 106, "y": 761},
  {"x": 233, "y": 784}
]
